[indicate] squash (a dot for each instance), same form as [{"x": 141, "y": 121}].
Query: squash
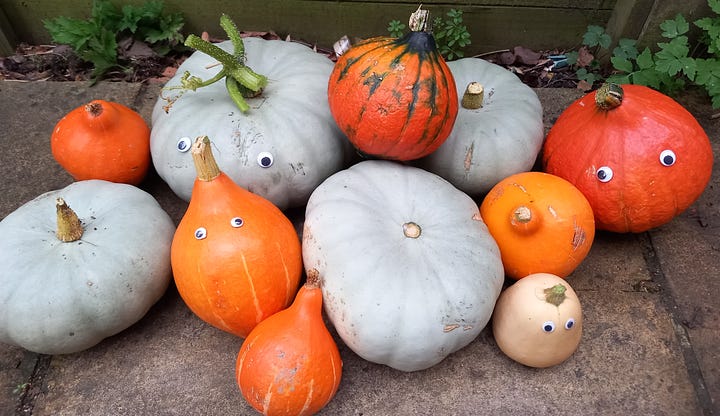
[
  {"x": 498, "y": 132},
  {"x": 637, "y": 155},
  {"x": 290, "y": 364},
  {"x": 80, "y": 264},
  {"x": 411, "y": 273},
  {"x": 236, "y": 257},
  {"x": 541, "y": 222},
  {"x": 394, "y": 98},
  {"x": 285, "y": 145},
  {"x": 538, "y": 320},
  {"x": 102, "y": 140}
]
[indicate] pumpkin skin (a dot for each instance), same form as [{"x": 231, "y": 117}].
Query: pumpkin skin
[
  {"x": 290, "y": 364},
  {"x": 394, "y": 98},
  {"x": 487, "y": 144},
  {"x": 102, "y": 140},
  {"x": 236, "y": 257},
  {"x": 281, "y": 149},
  {"x": 541, "y": 222},
  {"x": 65, "y": 297},
  {"x": 538, "y": 320},
  {"x": 630, "y": 141},
  {"x": 411, "y": 273}
]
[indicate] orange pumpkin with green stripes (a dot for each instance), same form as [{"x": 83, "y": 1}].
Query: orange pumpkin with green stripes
[{"x": 394, "y": 98}]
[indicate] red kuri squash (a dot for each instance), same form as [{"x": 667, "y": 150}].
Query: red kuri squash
[
  {"x": 638, "y": 156},
  {"x": 290, "y": 364},
  {"x": 235, "y": 256},
  {"x": 394, "y": 98},
  {"x": 103, "y": 140}
]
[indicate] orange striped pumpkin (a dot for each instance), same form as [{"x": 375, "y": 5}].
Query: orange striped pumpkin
[
  {"x": 394, "y": 98},
  {"x": 235, "y": 256}
]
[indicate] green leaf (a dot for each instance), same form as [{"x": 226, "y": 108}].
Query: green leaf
[
  {"x": 595, "y": 36},
  {"x": 675, "y": 27},
  {"x": 626, "y": 48},
  {"x": 572, "y": 57},
  {"x": 622, "y": 64},
  {"x": 619, "y": 79},
  {"x": 714, "y": 6},
  {"x": 645, "y": 59}
]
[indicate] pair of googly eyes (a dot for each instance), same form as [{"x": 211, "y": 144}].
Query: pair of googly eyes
[
  {"x": 549, "y": 326},
  {"x": 605, "y": 173},
  {"x": 264, "y": 159},
  {"x": 235, "y": 222}
]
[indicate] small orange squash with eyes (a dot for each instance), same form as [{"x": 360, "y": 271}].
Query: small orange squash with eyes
[
  {"x": 537, "y": 321},
  {"x": 235, "y": 256}
]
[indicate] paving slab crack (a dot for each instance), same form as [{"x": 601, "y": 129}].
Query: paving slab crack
[
  {"x": 34, "y": 386},
  {"x": 691, "y": 361}
]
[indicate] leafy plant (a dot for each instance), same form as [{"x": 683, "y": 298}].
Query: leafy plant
[
  {"x": 97, "y": 38},
  {"x": 668, "y": 69},
  {"x": 451, "y": 35}
]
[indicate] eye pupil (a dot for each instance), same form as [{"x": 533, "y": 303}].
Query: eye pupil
[
  {"x": 265, "y": 161},
  {"x": 237, "y": 222},
  {"x": 570, "y": 323},
  {"x": 200, "y": 233}
]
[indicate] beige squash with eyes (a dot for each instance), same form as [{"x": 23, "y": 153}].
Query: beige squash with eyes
[{"x": 538, "y": 320}]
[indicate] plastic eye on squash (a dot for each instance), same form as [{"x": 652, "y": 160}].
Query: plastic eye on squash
[
  {"x": 548, "y": 326},
  {"x": 265, "y": 159},
  {"x": 570, "y": 323},
  {"x": 604, "y": 173},
  {"x": 200, "y": 233},
  {"x": 184, "y": 144},
  {"x": 667, "y": 157},
  {"x": 237, "y": 222}
]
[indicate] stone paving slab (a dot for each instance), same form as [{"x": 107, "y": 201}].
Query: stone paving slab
[{"x": 650, "y": 307}]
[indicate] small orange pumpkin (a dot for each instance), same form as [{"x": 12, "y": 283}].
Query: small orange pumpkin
[
  {"x": 394, "y": 98},
  {"x": 103, "y": 140},
  {"x": 290, "y": 364},
  {"x": 637, "y": 155},
  {"x": 235, "y": 256},
  {"x": 541, "y": 223}
]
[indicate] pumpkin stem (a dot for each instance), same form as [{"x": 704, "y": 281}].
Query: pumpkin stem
[
  {"x": 473, "y": 97},
  {"x": 69, "y": 227},
  {"x": 411, "y": 230},
  {"x": 608, "y": 96},
  {"x": 246, "y": 82},
  {"x": 555, "y": 294},
  {"x": 419, "y": 19},
  {"x": 524, "y": 219},
  {"x": 94, "y": 109},
  {"x": 313, "y": 278},
  {"x": 205, "y": 163}
]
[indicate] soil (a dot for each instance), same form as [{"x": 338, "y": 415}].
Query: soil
[{"x": 59, "y": 63}]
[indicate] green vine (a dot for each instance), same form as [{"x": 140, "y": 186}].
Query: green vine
[
  {"x": 240, "y": 81},
  {"x": 450, "y": 34}
]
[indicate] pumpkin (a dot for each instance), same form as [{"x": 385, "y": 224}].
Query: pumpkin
[
  {"x": 236, "y": 257},
  {"x": 394, "y": 98},
  {"x": 637, "y": 155},
  {"x": 103, "y": 140},
  {"x": 498, "y": 132},
  {"x": 411, "y": 273},
  {"x": 80, "y": 264},
  {"x": 538, "y": 320},
  {"x": 541, "y": 222},
  {"x": 286, "y": 143},
  {"x": 290, "y": 364}
]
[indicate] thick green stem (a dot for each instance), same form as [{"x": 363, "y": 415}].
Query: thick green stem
[{"x": 234, "y": 35}]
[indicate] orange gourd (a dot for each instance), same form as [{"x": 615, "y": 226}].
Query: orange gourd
[
  {"x": 235, "y": 256},
  {"x": 290, "y": 364},
  {"x": 541, "y": 223},
  {"x": 103, "y": 140},
  {"x": 637, "y": 155},
  {"x": 394, "y": 98}
]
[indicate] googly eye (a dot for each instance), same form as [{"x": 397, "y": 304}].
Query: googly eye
[
  {"x": 667, "y": 157},
  {"x": 604, "y": 173},
  {"x": 200, "y": 233},
  {"x": 237, "y": 222},
  {"x": 548, "y": 326},
  {"x": 184, "y": 144},
  {"x": 265, "y": 159},
  {"x": 570, "y": 323}
]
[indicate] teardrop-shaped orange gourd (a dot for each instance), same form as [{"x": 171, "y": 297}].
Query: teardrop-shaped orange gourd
[
  {"x": 541, "y": 223},
  {"x": 236, "y": 258},
  {"x": 290, "y": 364},
  {"x": 103, "y": 140}
]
